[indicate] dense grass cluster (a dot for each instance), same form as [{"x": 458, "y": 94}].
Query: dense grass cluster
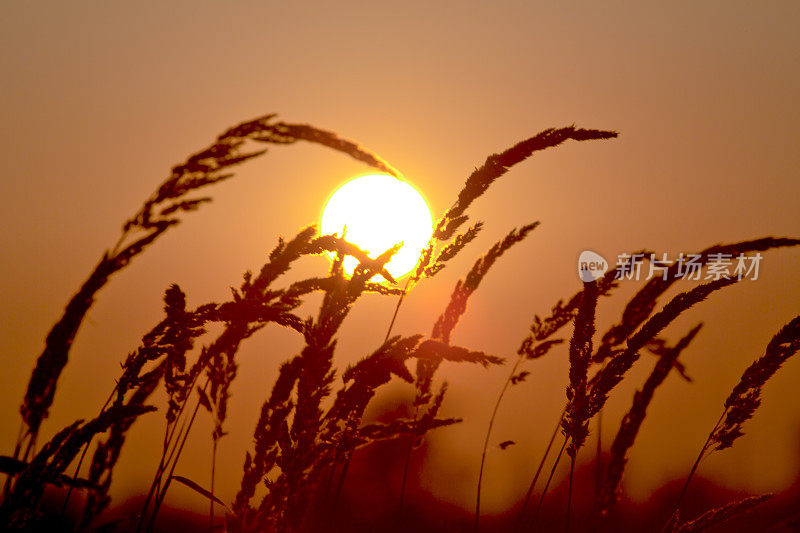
[{"x": 313, "y": 419}]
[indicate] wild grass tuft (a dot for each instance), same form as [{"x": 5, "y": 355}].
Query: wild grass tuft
[{"x": 312, "y": 419}]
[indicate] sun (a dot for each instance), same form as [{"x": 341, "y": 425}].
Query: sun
[{"x": 379, "y": 211}]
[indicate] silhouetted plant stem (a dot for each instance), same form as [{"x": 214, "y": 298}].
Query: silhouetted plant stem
[
  {"x": 166, "y": 456},
  {"x": 486, "y": 442},
  {"x": 349, "y": 455},
  {"x": 397, "y": 308},
  {"x": 411, "y": 439},
  {"x": 30, "y": 447},
  {"x": 213, "y": 471},
  {"x": 696, "y": 464},
  {"x": 569, "y": 491},
  {"x": 83, "y": 454},
  {"x": 163, "y": 493},
  {"x": 329, "y": 484},
  {"x": 409, "y": 448},
  {"x": 528, "y": 494},
  {"x": 153, "y": 491},
  {"x": 340, "y": 485},
  {"x": 598, "y": 471},
  {"x": 599, "y": 454},
  {"x": 9, "y": 478},
  {"x": 547, "y": 485},
  {"x": 332, "y": 498},
  {"x": 182, "y": 432}
]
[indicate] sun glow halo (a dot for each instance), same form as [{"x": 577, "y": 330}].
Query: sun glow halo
[{"x": 379, "y": 211}]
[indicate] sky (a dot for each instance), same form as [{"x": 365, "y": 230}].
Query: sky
[{"x": 99, "y": 100}]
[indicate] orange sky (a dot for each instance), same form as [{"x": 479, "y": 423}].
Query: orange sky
[{"x": 99, "y": 100}]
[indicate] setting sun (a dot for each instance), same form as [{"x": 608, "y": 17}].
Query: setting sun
[{"x": 379, "y": 211}]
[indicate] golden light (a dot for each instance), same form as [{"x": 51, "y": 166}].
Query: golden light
[{"x": 380, "y": 211}]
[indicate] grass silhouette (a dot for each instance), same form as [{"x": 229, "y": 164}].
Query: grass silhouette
[{"x": 311, "y": 423}]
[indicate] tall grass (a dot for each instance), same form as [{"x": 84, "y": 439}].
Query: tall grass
[{"x": 313, "y": 418}]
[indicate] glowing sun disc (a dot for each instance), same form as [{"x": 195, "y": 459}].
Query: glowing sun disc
[{"x": 380, "y": 211}]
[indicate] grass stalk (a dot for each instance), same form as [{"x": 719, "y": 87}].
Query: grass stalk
[
  {"x": 528, "y": 494},
  {"x": 598, "y": 455},
  {"x": 349, "y": 455},
  {"x": 547, "y": 485},
  {"x": 569, "y": 491},
  {"x": 163, "y": 491},
  {"x": 213, "y": 477},
  {"x": 83, "y": 455},
  {"x": 407, "y": 463},
  {"x": 476, "y": 524},
  {"x": 166, "y": 456},
  {"x": 696, "y": 464}
]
